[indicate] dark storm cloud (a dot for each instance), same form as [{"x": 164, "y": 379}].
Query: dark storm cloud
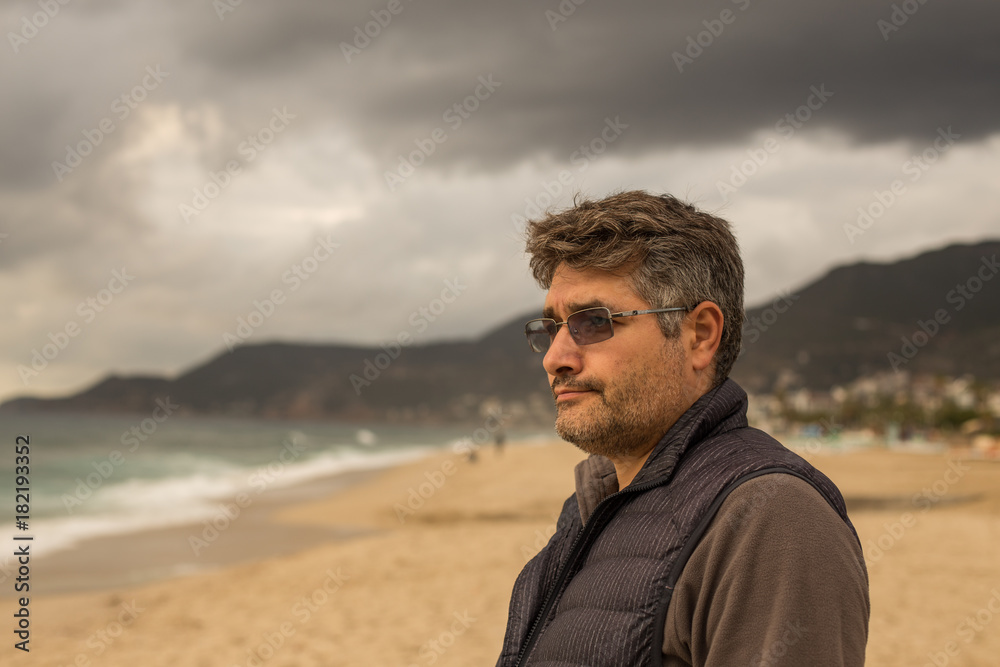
[
  {"x": 889, "y": 81},
  {"x": 605, "y": 59}
]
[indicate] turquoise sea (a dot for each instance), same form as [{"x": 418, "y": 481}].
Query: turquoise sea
[{"x": 101, "y": 475}]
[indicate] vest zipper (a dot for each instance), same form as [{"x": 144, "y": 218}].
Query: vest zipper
[{"x": 574, "y": 553}]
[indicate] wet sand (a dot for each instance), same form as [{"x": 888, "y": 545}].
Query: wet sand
[{"x": 235, "y": 534}]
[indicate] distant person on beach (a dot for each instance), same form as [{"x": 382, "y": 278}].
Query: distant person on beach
[{"x": 692, "y": 539}]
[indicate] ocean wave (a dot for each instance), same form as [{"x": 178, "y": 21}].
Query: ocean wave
[{"x": 137, "y": 504}]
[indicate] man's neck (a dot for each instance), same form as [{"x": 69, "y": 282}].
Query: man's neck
[{"x": 627, "y": 468}]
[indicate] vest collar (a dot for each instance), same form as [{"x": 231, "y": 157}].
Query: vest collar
[{"x": 719, "y": 410}]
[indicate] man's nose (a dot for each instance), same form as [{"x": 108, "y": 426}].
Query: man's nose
[{"x": 563, "y": 356}]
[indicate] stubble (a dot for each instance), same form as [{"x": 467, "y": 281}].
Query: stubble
[{"x": 626, "y": 416}]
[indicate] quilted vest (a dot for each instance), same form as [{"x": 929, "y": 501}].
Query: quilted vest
[{"x": 597, "y": 594}]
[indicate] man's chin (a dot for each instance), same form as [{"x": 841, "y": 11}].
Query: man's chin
[
  {"x": 604, "y": 439},
  {"x": 574, "y": 432}
]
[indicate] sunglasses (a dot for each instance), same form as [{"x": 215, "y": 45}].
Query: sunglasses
[{"x": 588, "y": 326}]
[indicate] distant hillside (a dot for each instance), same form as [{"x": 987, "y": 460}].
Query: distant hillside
[
  {"x": 846, "y": 324},
  {"x": 431, "y": 383},
  {"x": 834, "y": 330}
]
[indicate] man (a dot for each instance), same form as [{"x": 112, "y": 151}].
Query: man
[{"x": 691, "y": 538}]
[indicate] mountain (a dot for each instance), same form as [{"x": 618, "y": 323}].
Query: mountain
[
  {"x": 430, "y": 383},
  {"x": 938, "y": 312}
]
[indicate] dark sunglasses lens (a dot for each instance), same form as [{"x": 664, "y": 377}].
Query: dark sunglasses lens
[
  {"x": 540, "y": 333},
  {"x": 590, "y": 326}
]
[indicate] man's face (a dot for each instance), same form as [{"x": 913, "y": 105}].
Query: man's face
[{"x": 619, "y": 396}]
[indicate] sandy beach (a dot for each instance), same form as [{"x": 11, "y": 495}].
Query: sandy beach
[{"x": 413, "y": 566}]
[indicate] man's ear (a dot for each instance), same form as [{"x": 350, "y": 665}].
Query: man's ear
[{"x": 705, "y": 326}]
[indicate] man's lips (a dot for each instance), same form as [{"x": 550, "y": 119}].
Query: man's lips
[{"x": 568, "y": 394}]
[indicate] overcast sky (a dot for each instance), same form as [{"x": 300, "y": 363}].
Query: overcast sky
[{"x": 204, "y": 150}]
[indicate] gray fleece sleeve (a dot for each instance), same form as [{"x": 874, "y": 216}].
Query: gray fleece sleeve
[{"x": 778, "y": 580}]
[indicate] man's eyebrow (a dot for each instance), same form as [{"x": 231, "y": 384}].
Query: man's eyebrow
[{"x": 575, "y": 306}]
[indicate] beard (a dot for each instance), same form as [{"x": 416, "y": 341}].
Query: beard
[{"x": 626, "y": 416}]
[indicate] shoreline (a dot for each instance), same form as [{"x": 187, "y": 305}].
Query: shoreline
[
  {"x": 388, "y": 593},
  {"x": 107, "y": 562}
]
